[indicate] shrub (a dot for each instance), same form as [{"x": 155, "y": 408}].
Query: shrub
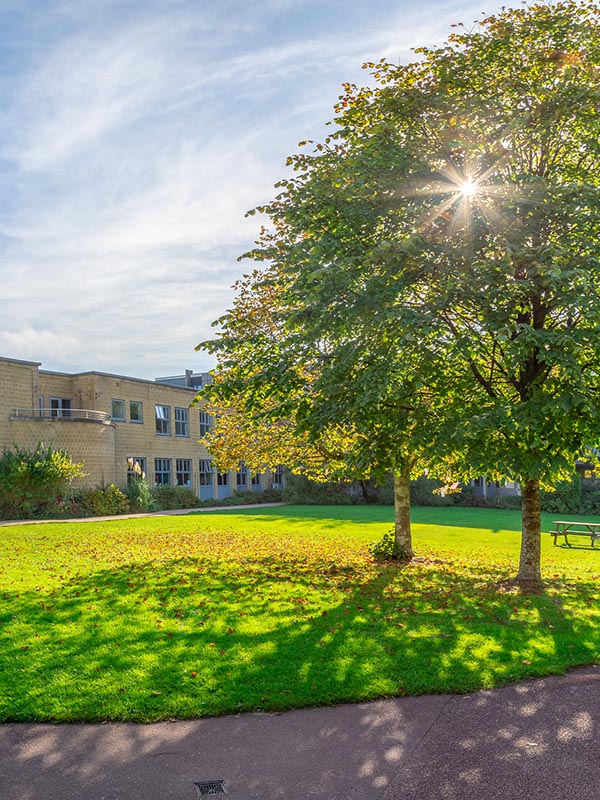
[
  {"x": 244, "y": 498},
  {"x": 385, "y": 492},
  {"x": 35, "y": 483},
  {"x": 138, "y": 489},
  {"x": 590, "y": 502},
  {"x": 168, "y": 498},
  {"x": 386, "y": 548},
  {"x": 104, "y": 501},
  {"x": 510, "y": 501},
  {"x": 422, "y": 493},
  {"x": 270, "y": 496},
  {"x": 300, "y": 490},
  {"x": 565, "y": 499}
]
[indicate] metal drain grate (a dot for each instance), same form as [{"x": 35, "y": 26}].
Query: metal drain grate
[{"x": 210, "y": 788}]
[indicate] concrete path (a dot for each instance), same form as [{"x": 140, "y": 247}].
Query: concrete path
[
  {"x": 536, "y": 739},
  {"x": 172, "y": 513}
]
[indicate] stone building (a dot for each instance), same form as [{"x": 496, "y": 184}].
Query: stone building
[{"x": 104, "y": 420}]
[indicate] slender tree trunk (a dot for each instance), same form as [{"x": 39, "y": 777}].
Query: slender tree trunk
[
  {"x": 530, "y": 575},
  {"x": 402, "y": 532}
]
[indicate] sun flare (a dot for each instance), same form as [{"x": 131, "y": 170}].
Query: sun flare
[{"x": 468, "y": 188}]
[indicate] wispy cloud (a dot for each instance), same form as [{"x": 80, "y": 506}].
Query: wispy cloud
[{"x": 134, "y": 137}]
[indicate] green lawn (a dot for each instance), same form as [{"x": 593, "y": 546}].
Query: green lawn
[{"x": 276, "y": 608}]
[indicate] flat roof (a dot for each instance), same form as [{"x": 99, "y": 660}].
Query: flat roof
[
  {"x": 120, "y": 377},
  {"x": 20, "y": 361}
]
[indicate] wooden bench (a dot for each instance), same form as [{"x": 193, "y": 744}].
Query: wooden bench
[{"x": 590, "y": 530}]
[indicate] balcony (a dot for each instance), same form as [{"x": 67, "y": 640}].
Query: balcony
[{"x": 62, "y": 414}]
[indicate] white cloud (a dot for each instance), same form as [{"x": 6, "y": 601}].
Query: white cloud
[{"x": 134, "y": 141}]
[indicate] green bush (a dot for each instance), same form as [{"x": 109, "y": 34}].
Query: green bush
[
  {"x": 385, "y": 492},
  {"x": 510, "y": 501},
  {"x": 169, "y": 498},
  {"x": 300, "y": 490},
  {"x": 244, "y": 498},
  {"x": 386, "y": 548},
  {"x": 138, "y": 489},
  {"x": 104, "y": 501},
  {"x": 35, "y": 483},
  {"x": 565, "y": 499},
  {"x": 422, "y": 493},
  {"x": 590, "y": 502}
]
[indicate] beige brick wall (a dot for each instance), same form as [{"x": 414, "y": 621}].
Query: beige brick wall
[
  {"x": 134, "y": 439},
  {"x": 57, "y": 385},
  {"x": 89, "y": 443},
  {"x": 18, "y": 389},
  {"x": 103, "y": 448}
]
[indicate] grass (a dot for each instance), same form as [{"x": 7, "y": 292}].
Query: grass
[{"x": 173, "y": 617}]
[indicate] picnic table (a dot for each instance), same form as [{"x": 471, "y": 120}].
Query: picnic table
[{"x": 566, "y": 529}]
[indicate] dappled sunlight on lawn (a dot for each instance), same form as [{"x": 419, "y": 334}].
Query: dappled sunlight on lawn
[{"x": 192, "y": 619}]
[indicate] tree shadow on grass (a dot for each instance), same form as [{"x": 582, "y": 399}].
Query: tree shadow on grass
[
  {"x": 125, "y": 643},
  {"x": 202, "y": 638},
  {"x": 332, "y": 517},
  {"x": 535, "y": 739}
]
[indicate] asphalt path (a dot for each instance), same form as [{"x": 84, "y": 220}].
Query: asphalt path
[{"x": 534, "y": 739}]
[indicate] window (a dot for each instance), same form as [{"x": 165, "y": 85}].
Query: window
[
  {"x": 135, "y": 411},
  {"x": 60, "y": 406},
  {"x": 162, "y": 471},
  {"x": 242, "y": 476},
  {"x": 163, "y": 420},
  {"x": 182, "y": 427},
  {"x": 205, "y": 472},
  {"x": 278, "y": 476},
  {"x": 136, "y": 468},
  {"x": 222, "y": 479},
  {"x": 205, "y": 423},
  {"x": 183, "y": 471},
  {"x": 118, "y": 410},
  {"x": 256, "y": 479}
]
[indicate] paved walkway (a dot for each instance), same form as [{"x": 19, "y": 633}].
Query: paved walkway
[
  {"x": 171, "y": 513},
  {"x": 538, "y": 739}
]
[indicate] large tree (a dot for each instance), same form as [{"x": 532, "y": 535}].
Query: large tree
[
  {"x": 442, "y": 244},
  {"x": 345, "y": 406}
]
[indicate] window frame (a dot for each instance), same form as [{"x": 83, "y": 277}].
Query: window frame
[
  {"x": 180, "y": 470},
  {"x": 277, "y": 476},
  {"x": 112, "y": 409},
  {"x": 165, "y": 420},
  {"x": 205, "y": 476},
  {"x": 139, "y": 403},
  {"x": 223, "y": 478},
  {"x": 141, "y": 460},
  {"x": 241, "y": 476},
  {"x": 206, "y": 421},
  {"x": 63, "y": 407},
  {"x": 159, "y": 469},
  {"x": 182, "y": 423}
]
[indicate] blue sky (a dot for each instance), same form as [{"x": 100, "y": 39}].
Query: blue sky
[{"x": 135, "y": 134}]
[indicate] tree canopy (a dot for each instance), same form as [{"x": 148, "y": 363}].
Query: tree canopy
[{"x": 433, "y": 265}]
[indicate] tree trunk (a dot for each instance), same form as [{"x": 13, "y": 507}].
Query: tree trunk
[
  {"x": 530, "y": 575},
  {"x": 402, "y": 534}
]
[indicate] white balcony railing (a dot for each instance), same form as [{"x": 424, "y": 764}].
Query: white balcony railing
[{"x": 67, "y": 414}]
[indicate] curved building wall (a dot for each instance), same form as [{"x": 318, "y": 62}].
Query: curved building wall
[{"x": 89, "y": 443}]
